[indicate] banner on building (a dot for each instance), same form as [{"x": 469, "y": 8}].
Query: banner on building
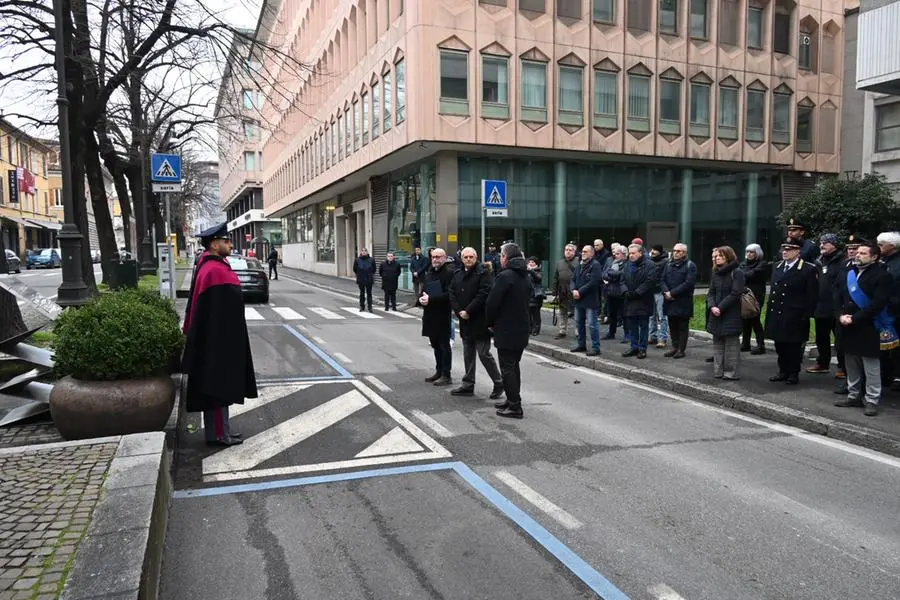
[
  {"x": 13, "y": 178},
  {"x": 26, "y": 181}
]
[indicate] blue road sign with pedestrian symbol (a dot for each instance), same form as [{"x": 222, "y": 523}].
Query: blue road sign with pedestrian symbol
[
  {"x": 493, "y": 194},
  {"x": 165, "y": 168}
]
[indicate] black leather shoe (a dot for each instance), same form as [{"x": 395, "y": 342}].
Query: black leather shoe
[
  {"x": 497, "y": 393},
  {"x": 501, "y": 405},
  {"x": 630, "y": 352},
  {"x": 778, "y": 377},
  {"x": 642, "y": 354},
  {"x": 578, "y": 349},
  {"x": 225, "y": 442},
  {"x": 433, "y": 378},
  {"x": 510, "y": 413},
  {"x": 847, "y": 402},
  {"x": 462, "y": 391},
  {"x": 792, "y": 379}
]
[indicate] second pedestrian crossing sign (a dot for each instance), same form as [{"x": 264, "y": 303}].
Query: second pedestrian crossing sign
[
  {"x": 493, "y": 197},
  {"x": 165, "y": 172}
]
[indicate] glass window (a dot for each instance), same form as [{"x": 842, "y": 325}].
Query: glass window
[
  {"x": 388, "y": 100},
  {"x": 339, "y": 137},
  {"x": 326, "y": 142},
  {"x": 248, "y": 98},
  {"x": 251, "y": 131},
  {"x": 804, "y": 52},
  {"x": 698, "y": 19},
  {"x": 495, "y": 79},
  {"x": 604, "y": 11},
  {"x": 535, "y": 5},
  {"x": 400, "y": 67},
  {"x": 364, "y": 103},
  {"x": 668, "y": 16},
  {"x": 534, "y": 91},
  {"x": 754, "y": 27},
  {"x": 804, "y": 128},
  {"x": 606, "y": 99},
  {"x": 249, "y": 161},
  {"x": 454, "y": 79},
  {"x": 699, "y": 118},
  {"x": 376, "y": 110},
  {"x": 781, "y": 31},
  {"x": 570, "y": 9},
  {"x": 639, "y": 14},
  {"x": 728, "y": 113},
  {"x": 334, "y": 141},
  {"x": 781, "y": 118},
  {"x": 348, "y": 132},
  {"x": 887, "y": 124},
  {"x": 638, "y": 102},
  {"x": 306, "y": 231},
  {"x": 756, "y": 116},
  {"x": 571, "y": 95},
  {"x": 325, "y": 232},
  {"x": 357, "y": 121},
  {"x": 670, "y": 106}
]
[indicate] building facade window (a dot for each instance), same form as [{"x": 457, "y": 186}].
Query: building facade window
[
  {"x": 532, "y": 5},
  {"x": 376, "y": 110},
  {"x": 325, "y": 233},
  {"x": 781, "y": 27},
  {"x": 306, "y": 230},
  {"x": 668, "y": 16},
  {"x": 366, "y": 124},
  {"x": 699, "y": 19},
  {"x": 729, "y": 22},
  {"x": 887, "y": 127},
  {"x": 781, "y": 118},
  {"x": 357, "y": 121},
  {"x": 606, "y": 99},
  {"x": 755, "y": 27},
  {"x": 251, "y": 131},
  {"x": 698, "y": 125},
  {"x": 804, "y": 50},
  {"x": 388, "y": 101},
  {"x": 729, "y": 109},
  {"x": 494, "y": 87},
  {"x": 755, "y": 126},
  {"x": 339, "y": 136},
  {"x": 639, "y": 14},
  {"x": 638, "y": 102},
  {"x": 669, "y": 106},
  {"x": 57, "y": 197},
  {"x": 568, "y": 9},
  {"x": 534, "y": 91},
  {"x": 604, "y": 11},
  {"x": 249, "y": 161},
  {"x": 348, "y": 133},
  {"x": 400, "y": 68},
  {"x": 804, "y": 140},
  {"x": 571, "y": 95},
  {"x": 248, "y": 99},
  {"x": 326, "y": 142},
  {"x": 454, "y": 82}
]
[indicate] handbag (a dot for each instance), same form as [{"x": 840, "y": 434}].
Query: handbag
[{"x": 750, "y": 308}]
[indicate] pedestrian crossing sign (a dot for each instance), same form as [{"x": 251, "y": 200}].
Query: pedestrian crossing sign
[
  {"x": 494, "y": 199},
  {"x": 165, "y": 168}
]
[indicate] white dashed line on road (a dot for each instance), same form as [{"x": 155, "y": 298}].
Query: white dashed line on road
[
  {"x": 661, "y": 591},
  {"x": 538, "y": 501},
  {"x": 318, "y": 340},
  {"x": 341, "y": 357},
  {"x": 288, "y": 314},
  {"x": 431, "y": 424},
  {"x": 382, "y": 387},
  {"x": 325, "y": 313}
]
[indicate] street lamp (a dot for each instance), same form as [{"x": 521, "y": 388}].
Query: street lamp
[{"x": 72, "y": 290}]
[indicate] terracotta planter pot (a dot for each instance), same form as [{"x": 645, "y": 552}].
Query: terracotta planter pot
[{"x": 89, "y": 409}]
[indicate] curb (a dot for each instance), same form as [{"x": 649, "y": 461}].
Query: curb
[
  {"x": 121, "y": 555},
  {"x": 845, "y": 432}
]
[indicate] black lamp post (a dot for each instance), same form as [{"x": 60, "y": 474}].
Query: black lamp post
[{"x": 72, "y": 290}]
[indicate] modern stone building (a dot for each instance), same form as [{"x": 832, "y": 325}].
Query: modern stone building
[{"x": 665, "y": 119}]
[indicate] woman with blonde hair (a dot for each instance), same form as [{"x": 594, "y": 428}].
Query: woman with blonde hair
[{"x": 725, "y": 323}]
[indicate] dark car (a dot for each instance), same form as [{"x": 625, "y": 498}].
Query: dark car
[
  {"x": 254, "y": 280},
  {"x": 13, "y": 262},
  {"x": 47, "y": 258}
]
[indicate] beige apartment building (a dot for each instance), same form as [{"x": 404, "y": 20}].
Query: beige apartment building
[{"x": 672, "y": 120}]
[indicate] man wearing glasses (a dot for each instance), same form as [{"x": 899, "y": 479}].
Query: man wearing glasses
[{"x": 585, "y": 282}]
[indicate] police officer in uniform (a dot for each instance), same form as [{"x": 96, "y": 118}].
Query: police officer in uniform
[
  {"x": 795, "y": 290},
  {"x": 796, "y": 231}
]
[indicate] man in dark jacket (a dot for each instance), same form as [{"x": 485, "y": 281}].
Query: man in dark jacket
[
  {"x": 468, "y": 294},
  {"x": 641, "y": 278},
  {"x": 659, "y": 325},
  {"x": 389, "y": 271},
  {"x": 797, "y": 233},
  {"x": 865, "y": 292},
  {"x": 364, "y": 267},
  {"x": 507, "y": 313},
  {"x": 418, "y": 266},
  {"x": 601, "y": 255},
  {"x": 679, "y": 278},
  {"x": 273, "y": 263},
  {"x": 436, "y": 315},
  {"x": 585, "y": 282},
  {"x": 830, "y": 265},
  {"x": 493, "y": 257},
  {"x": 562, "y": 288},
  {"x": 792, "y": 301}
]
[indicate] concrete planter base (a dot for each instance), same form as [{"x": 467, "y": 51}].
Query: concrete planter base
[{"x": 89, "y": 409}]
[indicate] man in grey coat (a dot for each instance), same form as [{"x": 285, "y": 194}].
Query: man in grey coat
[{"x": 562, "y": 281}]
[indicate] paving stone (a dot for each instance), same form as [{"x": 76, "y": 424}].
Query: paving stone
[{"x": 24, "y": 583}]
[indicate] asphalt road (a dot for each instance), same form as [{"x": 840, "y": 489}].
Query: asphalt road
[
  {"x": 358, "y": 480},
  {"x": 46, "y": 281}
]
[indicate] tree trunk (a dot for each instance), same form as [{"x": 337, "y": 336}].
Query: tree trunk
[
  {"x": 116, "y": 167},
  {"x": 105, "y": 231}
]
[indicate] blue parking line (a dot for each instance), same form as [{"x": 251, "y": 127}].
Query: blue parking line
[{"x": 319, "y": 352}]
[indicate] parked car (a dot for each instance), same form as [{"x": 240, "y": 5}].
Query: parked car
[
  {"x": 13, "y": 262},
  {"x": 47, "y": 258},
  {"x": 253, "y": 277}
]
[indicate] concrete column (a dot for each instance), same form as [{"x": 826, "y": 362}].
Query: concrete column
[
  {"x": 752, "y": 209},
  {"x": 446, "y": 201},
  {"x": 558, "y": 232},
  {"x": 687, "y": 199}
]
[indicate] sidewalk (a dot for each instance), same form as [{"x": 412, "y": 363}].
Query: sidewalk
[{"x": 809, "y": 405}]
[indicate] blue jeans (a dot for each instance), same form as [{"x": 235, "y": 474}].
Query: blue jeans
[
  {"x": 659, "y": 324},
  {"x": 591, "y": 315},
  {"x": 639, "y": 329}
]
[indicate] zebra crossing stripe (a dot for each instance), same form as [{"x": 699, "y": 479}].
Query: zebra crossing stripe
[
  {"x": 289, "y": 314},
  {"x": 357, "y": 313},
  {"x": 251, "y": 314},
  {"x": 324, "y": 312}
]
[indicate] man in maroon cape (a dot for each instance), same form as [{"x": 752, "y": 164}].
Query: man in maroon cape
[{"x": 217, "y": 358}]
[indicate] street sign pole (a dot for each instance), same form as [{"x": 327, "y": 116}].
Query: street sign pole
[
  {"x": 483, "y": 212},
  {"x": 494, "y": 203}
]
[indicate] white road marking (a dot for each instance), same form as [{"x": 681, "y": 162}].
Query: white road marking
[
  {"x": 359, "y": 313},
  {"x": 661, "y": 591},
  {"x": 272, "y": 304},
  {"x": 267, "y": 395},
  {"x": 251, "y": 314},
  {"x": 324, "y": 312},
  {"x": 793, "y": 431},
  {"x": 538, "y": 501},
  {"x": 431, "y": 424},
  {"x": 341, "y": 357},
  {"x": 396, "y": 441},
  {"x": 318, "y": 340},
  {"x": 396, "y": 313},
  {"x": 382, "y": 387},
  {"x": 288, "y": 313},
  {"x": 272, "y": 441}
]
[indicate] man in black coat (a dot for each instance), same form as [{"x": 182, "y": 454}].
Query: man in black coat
[
  {"x": 436, "y": 315},
  {"x": 797, "y": 234},
  {"x": 641, "y": 279},
  {"x": 865, "y": 291},
  {"x": 364, "y": 267},
  {"x": 468, "y": 294},
  {"x": 273, "y": 263},
  {"x": 792, "y": 301},
  {"x": 677, "y": 282},
  {"x": 507, "y": 313},
  {"x": 830, "y": 265},
  {"x": 389, "y": 271},
  {"x": 217, "y": 358},
  {"x": 418, "y": 266}
]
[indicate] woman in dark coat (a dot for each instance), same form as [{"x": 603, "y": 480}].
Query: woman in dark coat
[
  {"x": 756, "y": 271},
  {"x": 537, "y": 297},
  {"x": 725, "y": 323}
]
